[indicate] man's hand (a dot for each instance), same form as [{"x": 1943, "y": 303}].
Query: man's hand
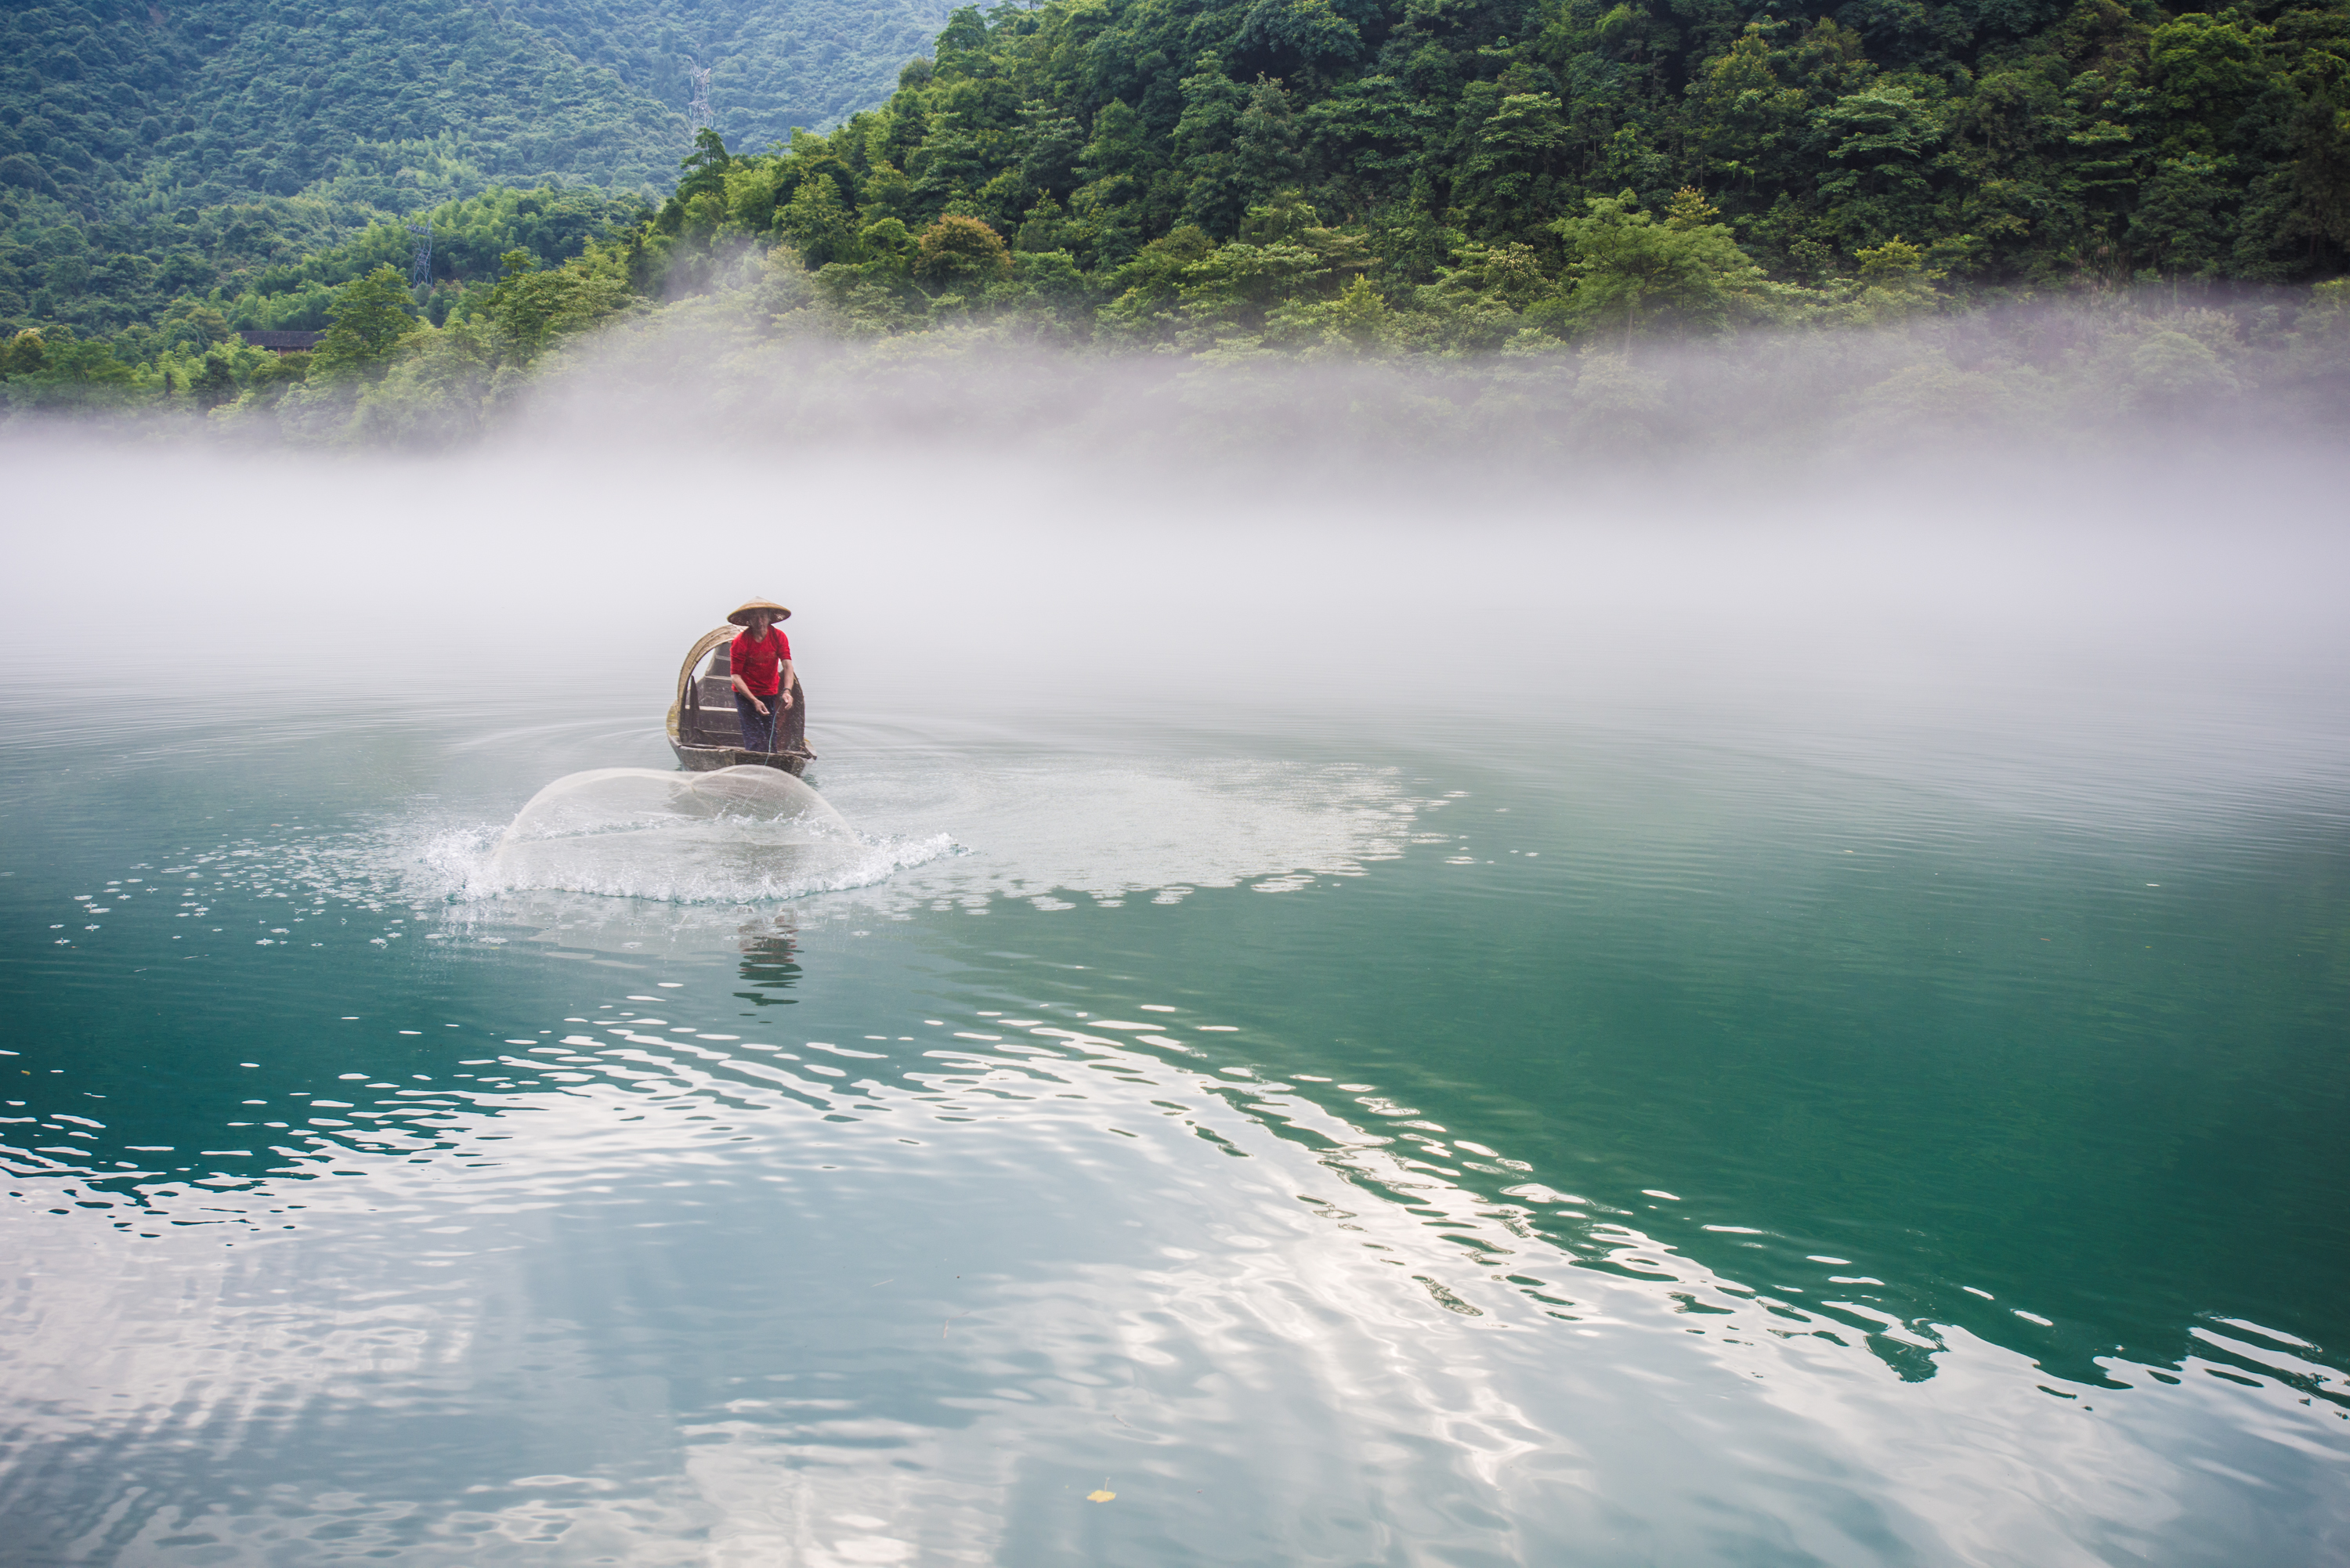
[
  {"x": 761, "y": 707},
  {"x": 784, "y": 699}
]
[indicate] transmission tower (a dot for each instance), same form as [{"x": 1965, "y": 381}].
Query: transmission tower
[
  {"x": 420, "y": 270},
  {"x": 702, "y": 117}
]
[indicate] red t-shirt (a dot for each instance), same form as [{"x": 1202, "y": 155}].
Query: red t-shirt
[{"x": 761, "y": 664}]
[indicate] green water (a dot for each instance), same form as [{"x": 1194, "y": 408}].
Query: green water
[{"x": 1595, "y": 1142}]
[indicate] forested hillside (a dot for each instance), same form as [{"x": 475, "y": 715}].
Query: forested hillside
[
  {"x": 1439, "y": 178},
  {"x": 154, "y": 151},
  {"x": 2011, "y": 142},
  {"x": 774, "y": 64}
]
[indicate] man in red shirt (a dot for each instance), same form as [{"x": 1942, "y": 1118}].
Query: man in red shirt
[{"x": 761, "y": 658}]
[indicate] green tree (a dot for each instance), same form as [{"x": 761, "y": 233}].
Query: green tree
[
  {"x": 437, "y": 393},
  {"x": 213, "y": 385},
  {"x": 958, "y": 252},
  {"x": 1216, "y": 192},
  {"x": 2207, "y": 71},
  {"x": 1630, "y": 270},
  {"x": 1895, "y": 281},
  {"x": 2180, "y": 226},
  {"x": 531, "y": 308},
  {"x": 196, "y": 325},
  {"x": 889, "y": 253},
  {"x": 1044, "y": 228},
  {"x": 371, "y": 315},
  {"x": 26, "y": 354},
  {"x": 1507, "y": 180},
  {"x": 2174, "y": 373},
  {"x": 1119, "y": 162},
  {"x": 72, "y": 374},
  {"x": 1881, "y": 143},
  {"x": 1307, "y": 33},
  {"x": 817, "y": 222},
  {"x": 1052, "y": 281},
  {"x": 1266, "y": 151},
  {"x": 704, "y": 168}
]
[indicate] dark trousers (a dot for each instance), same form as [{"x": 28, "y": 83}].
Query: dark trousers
[{"x": 759, "y": 729}]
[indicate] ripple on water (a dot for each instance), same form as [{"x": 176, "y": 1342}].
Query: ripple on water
[
  {"x": 666, "y": 1298},
  {"x": 612, "y": 1283}
]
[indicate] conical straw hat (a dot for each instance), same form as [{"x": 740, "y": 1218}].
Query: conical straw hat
[{"x": 742, "y": 616}]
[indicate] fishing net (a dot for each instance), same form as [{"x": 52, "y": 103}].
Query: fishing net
[{"x": 737, "y": 834}]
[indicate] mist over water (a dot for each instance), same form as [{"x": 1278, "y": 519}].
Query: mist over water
[
  {"x": 974, "y": 533},
  {"x": 1379, "y": 986}
]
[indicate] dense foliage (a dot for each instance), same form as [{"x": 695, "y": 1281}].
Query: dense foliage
[
  {"x": 1444, "y": 178},
  {"x": 774, "y": 64},
  {"x": 152, "y": 151},
  {"x": 1491, "y": 166}
]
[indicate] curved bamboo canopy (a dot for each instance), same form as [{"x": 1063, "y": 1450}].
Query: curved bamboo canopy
[{"x": 709, "y": 640}]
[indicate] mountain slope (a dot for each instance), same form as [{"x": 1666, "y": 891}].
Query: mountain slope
[
  {"x": 2014, "y": 141},
  {"x": 149, "y": 149},
  {"x": 773, "y": 64}
]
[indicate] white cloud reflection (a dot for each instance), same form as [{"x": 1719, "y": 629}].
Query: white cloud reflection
[{"x": 1330, "y": 1351}]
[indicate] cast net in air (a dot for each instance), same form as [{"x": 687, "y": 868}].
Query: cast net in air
[{"x": 737, "y": 834}]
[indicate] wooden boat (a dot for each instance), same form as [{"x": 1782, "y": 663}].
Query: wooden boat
[{"x": 706, "y": 733}]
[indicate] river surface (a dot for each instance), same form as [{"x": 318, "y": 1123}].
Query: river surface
[
  {"x": 1491, "y": 1014},
  {"x": 1290, "y": 1139}
]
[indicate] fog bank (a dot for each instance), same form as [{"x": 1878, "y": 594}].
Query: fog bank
[{"x": 1169, "y": 570}]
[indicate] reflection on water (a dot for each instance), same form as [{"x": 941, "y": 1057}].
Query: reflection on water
[
  {"x": 770, "y": 1288},
  {"x": 770, "y": 964},
  {"x": 1600, "y": 1155}
]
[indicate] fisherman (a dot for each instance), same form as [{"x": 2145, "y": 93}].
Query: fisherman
[{"x": 761, "y": 658}]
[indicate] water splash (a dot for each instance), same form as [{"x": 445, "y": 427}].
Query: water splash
[{"x": 735, "y": 836}]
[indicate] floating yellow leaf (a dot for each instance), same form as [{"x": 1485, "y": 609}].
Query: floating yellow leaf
[{"x": 1100, "y": 1496}]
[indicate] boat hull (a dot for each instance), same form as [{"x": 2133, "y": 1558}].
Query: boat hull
[{"x": 710, "y": 759}]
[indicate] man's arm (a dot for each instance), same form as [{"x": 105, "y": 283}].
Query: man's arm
[
  {"x": 753, "y": 696},
  {"x": 784, "y": 692}
]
